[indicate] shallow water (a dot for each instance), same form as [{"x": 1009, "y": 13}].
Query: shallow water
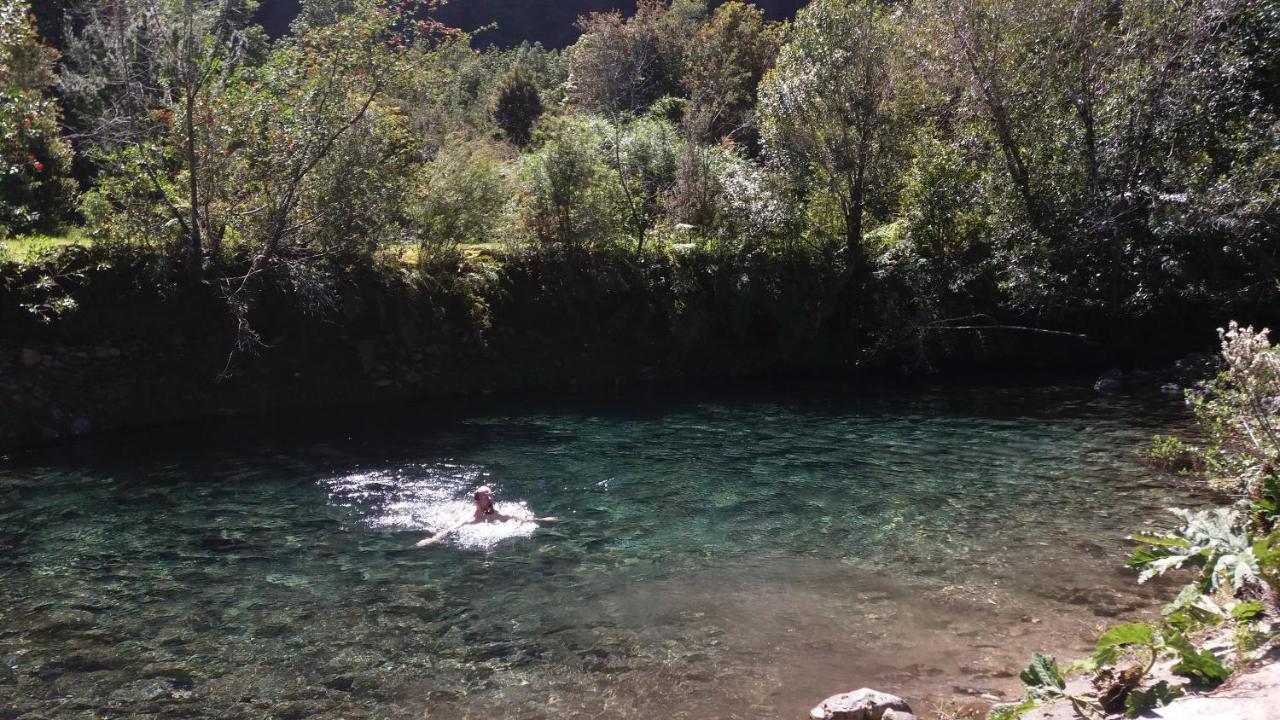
[{"x": 735, "y": 555}]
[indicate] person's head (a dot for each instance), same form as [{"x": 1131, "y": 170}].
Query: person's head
[{"x": 484, "y": 498}]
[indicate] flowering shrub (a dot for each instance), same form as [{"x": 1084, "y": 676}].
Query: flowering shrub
[
  {"x": 1239, "y": 411},
  {"x": 35, "y": 190}
]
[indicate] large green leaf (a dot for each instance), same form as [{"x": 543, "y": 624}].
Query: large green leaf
[
  {"x": 1169, "y": 541},
  {"x": 1267, "y": 553},
  {"x": 1248, "y": 610},
  {"x": 1158, "y": 695},
  {"x": 1212, "y": 539},
  {"x": 1129, "y": 634},
  {"x": 1200, "y": 664},
  {"x": 1186, "y": 597},
  {"x": 1109, "y": 645},
  {"x": 1042, "y": 677},
  {"x": 1011, "y": 711}
]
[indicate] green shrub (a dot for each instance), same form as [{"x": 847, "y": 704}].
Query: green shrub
[
  {"x": 1171, "y": 454},
  {"x": 460, "y": 197},
  {"x": 36, "y": 190},
  {"x": 565, "y": 197},
  {"x": 517, "y": 106}
]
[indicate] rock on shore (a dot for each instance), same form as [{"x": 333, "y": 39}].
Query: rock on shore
[{"x": 864, "y": 704}]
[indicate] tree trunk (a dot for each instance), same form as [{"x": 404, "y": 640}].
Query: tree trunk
[
  {"x": 853, "y": 225},
  {"x": 196, "y": 248},
  {"x": 193, "y": 79}
]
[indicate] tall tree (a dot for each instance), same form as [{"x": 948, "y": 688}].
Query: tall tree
[
  {"x": 621, "y": 65},
  {"x": 724, "y": 64},
  {"x": 141, "y": 71},
  {"x": 518, "y": 105},
  {"x": 828, "y": 106},
  {"x": 993, "y": 43}
]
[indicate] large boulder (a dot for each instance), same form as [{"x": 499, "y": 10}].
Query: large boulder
[{"x": 864, "y": 704}]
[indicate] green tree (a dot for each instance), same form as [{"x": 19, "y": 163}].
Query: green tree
[
  {"x": 1127, "y": 134},
  {"x": 620, "y": 66},
  {"x": 828, "y": 107},
  {"x": 724, "y": 64},
  {"x": 318, "y": 13},
  {"x": 36, "y": 191},
  {"x": 518, "y": 105},
  {"x": 644, "y": 159},
  {"x": 566, "y": 198},
  {"x": 459, "y": 198},
  {"x": 141, "y": 76}
]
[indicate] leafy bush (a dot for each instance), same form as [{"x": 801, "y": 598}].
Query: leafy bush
[
  {"x": 459, "y": 198},
  {"x": 1213, "y": 540},
  {"x": 645, "y": 158},
  {"x": 1239, "y": 411},
  {"x": 1171, "y": 454},
  {"x": 517, "y": 106},
  {"x": 36, "y": 191},
  {"x": 565, "y": 199}
]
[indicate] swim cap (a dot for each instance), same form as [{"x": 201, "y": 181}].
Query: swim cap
[{"x": 483, "y": 489}]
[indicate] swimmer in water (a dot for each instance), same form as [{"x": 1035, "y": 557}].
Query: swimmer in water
[{"x": 485, "y": 512}]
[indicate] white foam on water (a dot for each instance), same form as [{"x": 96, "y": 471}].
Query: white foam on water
[{"x": 427, "y": 498}]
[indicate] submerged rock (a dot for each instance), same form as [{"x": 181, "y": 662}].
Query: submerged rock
[
  {"x": 64, "y": 621},
  {"x": 864, "y": 704},
  {"x": 142, "y": 691},
  {"x": 1111, "y": 382}
]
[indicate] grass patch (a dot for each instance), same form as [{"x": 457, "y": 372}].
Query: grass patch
[
  {"x": 22, "y": 248},
  {"x": 408, "y": 253}
]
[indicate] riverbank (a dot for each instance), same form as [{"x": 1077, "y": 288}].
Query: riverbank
[
  {"x": 1251, "y": 693},
  {"x": 99, "y": 338}
]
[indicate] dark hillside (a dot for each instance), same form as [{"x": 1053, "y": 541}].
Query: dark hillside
[{"x": 550, "y": 22}]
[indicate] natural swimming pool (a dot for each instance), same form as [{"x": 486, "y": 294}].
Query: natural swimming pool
[{"x": 723, "y": 554}]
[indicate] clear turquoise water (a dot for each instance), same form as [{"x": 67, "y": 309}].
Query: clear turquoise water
[{"x": 722, "y": 555}]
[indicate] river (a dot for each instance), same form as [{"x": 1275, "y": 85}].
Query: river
[{"x": 721, "y": 554}]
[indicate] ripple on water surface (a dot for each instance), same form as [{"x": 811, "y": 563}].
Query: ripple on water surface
[{"x": 717, "y": 558}]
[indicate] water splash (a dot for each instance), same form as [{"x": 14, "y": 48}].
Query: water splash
[{"x": 426, "y": 497}]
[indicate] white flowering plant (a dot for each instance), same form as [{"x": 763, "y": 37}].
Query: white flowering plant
[{"x": 1239, "y": 412}]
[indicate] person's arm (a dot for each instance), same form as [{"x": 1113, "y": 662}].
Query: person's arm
[
  {"x": 441, "y": 535},
  {"x": 504, "y": 518}
]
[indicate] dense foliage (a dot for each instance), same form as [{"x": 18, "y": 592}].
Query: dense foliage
[
  {"x": 35, "y": 161},
  {"x": 951, "y": 164}
]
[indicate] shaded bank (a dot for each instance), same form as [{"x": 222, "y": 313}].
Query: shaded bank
[{"x": 147, "y": 341}]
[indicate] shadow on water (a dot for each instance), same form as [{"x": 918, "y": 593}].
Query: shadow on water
[{"x": 723, "y": 554}]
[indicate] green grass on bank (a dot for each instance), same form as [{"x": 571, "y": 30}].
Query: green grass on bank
[
  {"x": 21, "y": 248},
  {"x": 408, "y": 254}
]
